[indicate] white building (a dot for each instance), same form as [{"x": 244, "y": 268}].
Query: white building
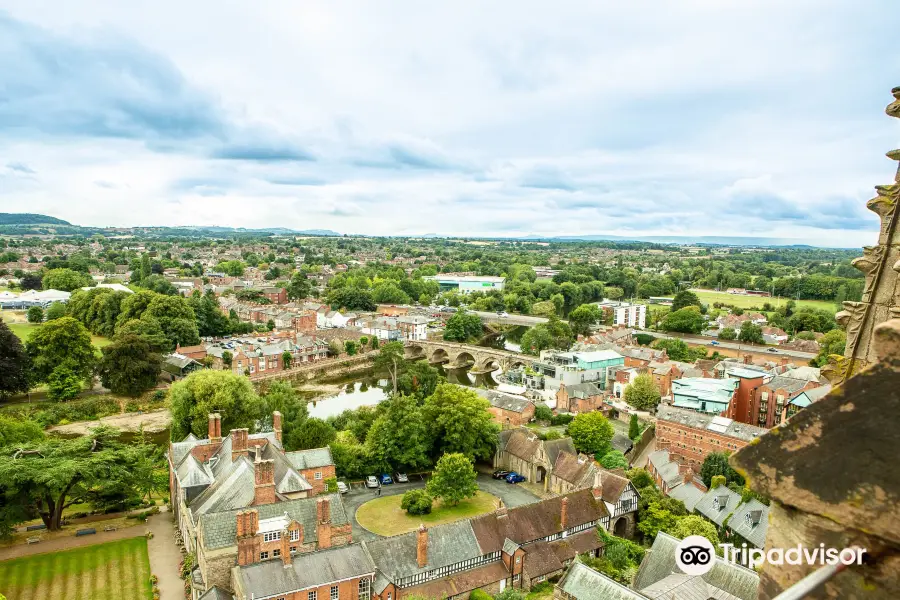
[
  {"x": 625, "y": 313},
  {"x": 384, "y": 328},
  {"x": 413, "y": 327}
]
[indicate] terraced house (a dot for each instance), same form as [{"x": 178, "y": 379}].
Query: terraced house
[{"x": 215, "y": 481}]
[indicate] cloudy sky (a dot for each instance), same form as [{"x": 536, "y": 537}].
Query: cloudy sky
[{"x": 695, "y": 117}]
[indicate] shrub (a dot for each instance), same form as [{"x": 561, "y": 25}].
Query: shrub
[
  {"x": 479, "y": 594},
  {"x": 416, "y": 502},
  {"x": 562, "y": 419},
  {"x": 331, "y": 485},
  {"x": 542, "y": 412}
]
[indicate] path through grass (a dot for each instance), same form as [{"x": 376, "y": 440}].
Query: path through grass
[{"x": 114, "y": 571}]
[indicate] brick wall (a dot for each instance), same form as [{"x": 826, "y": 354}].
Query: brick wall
[
  {"x": 318, "y": 485},
  {"x": 693, "y": 444}
]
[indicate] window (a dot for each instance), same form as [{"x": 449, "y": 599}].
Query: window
[
  {"x": 293, "y": 549},
  {"x": 318, "y": 475},
  {"x": 364, "y": 589},
  {"x": 263, "y": 556},
  {"x": 276, "y": 552},
  {"x": 518, "y": 559},
  {"x": 295, "y": 535},
  {"x": 516, "y": 578},
  {"x": 334, "y": 592},
  {"x": 311, "y": 595},
  {"x": 272, "y": 536}
]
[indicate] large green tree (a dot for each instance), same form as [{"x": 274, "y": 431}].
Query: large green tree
[
  {"x": 459, "y": 421},
  {"x": 686, "y": 320},
  {"x": 584, "y": 317},
  {"x": 299, "y": 287},
  {"x": 834, "y": 342},
  {"x": 15, "y": 363},
  {"x": 312, "y": 433},
  {"x": 591, "y": 433},
  {"x": 281, "y": 396},
  {"x": 419, "y": 379},
  {"x": 390, "y": 359},
  {"x": 399, "y": 438},
  {"x": 176, "y": 318},
  {"x": 462, "y": 327},
  {"x": 192, "y": 399},
  {"x": 642, "y": 393},
  {"x": 685, "y": 298},
  {"x": 716, "y": 463},
  {"x": 695, "y": 525},
  {"x": 62, "y": 343},
  {"x": 65, "y": 280},
  {"x": 453, "y": 479},
  {"x": 750, "y": 333},
  {"x": 130, "y": 366}
]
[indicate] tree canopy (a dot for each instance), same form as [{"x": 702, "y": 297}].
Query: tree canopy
[
  {"x": 685, "y": 320},
  {"x": 62, "y": 343},
  {"x": 716, "y": 463},
  {"x": 130, "y": 366},
  {"x": 453, "y": 479},
  {"x": 685, "y": 298},
  {"x": 642, "y": 393},
  {"x": 192, "y": 399},
  {"x": 591, "y": 433},
  {"x": 399, "y": 438},
  {"x": 460, "y": 422},
  {"x": 15, "y": 363},
  {"x": 462, "y": 327}
]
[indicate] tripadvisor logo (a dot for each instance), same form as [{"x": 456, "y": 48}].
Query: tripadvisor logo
[{"x": 695, "y": 555}]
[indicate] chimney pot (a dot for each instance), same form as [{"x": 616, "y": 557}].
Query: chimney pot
[{"x": 214, "y": 432}]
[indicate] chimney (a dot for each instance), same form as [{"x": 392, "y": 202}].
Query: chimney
[
  {"x": 276, "y": 424},
  {"x": 688, "y": 475},
  {"x": 563, "y": 513},
  {"x": 422, "y": 546},
  {"x": 748, "y": 359},
  {"x": 215, "y": 427},
  {"x": 247, "y": 538},
  {"x": 238, "y": 443},
  {"x": 323, "y": 523},
  {"x": 286, "y": 547},
  {"x": 785, "y": 361},
  {"x": 264, "y": 488}
]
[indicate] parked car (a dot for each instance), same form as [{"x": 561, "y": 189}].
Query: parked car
[
  {"x": 500, "y": 474},
  {"x": 386, "y": 479},
  {"x": 514, "y": 477},
  {"x": 714, "y": 343},
  {"x": 371, "y": 481},
  {"x": 342, "y": 487},
  {"x": 772, "y": 350},
  {"x": 401, "y": 478}
]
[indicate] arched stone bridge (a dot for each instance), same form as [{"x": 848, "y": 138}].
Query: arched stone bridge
[{"x": 461, "y": 355}]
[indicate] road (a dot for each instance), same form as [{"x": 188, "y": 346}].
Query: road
[
  {"x": 741, "y": 347},
  {"x": 510, "y": 320}
]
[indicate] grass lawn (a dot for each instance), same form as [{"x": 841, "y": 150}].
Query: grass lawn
[
  {"x": 385, "y": 517},
  {"x": 23, "y": 330},
  {"x": 710, "y": 296},
  {"x": 114, "y": 571}
]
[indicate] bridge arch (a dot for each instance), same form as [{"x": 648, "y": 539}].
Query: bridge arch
[
  {"x": 463, "y": 358},
  {"x": 439, "y": 355},
  {"x": 488, "y": 363},
  {"x": 413, "y": 352}
]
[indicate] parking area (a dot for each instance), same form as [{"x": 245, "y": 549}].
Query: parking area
[{"x": 512, "y": 495}]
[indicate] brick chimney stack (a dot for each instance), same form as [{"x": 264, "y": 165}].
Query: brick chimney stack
[
  {"x": 688, "y": 475},
  {"x": 215, "y": 427},
  {"x": 564, "y": 513},
  {"x": 748, "y": 359},
  {"x": 238, "y": 443},
  {"x": 276, "y": 424},
  {"x": 323, "y": 522},
  {"x": 422, "y": 546},
  {"x": 286, "y": 557},
  {"x": 247, "y": 538},
  {"x": 264, "y": 476}
]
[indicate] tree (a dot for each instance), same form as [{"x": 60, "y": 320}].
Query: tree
[
  {"x": 15, "y": 363},
  {"x": 390, "y": 359},
  {"x": 634, "y": 428},
  {"x": 65, "y": 280},
  {"x": 640, "y": 478},
  {"x": 510, "y": 593},
  {"x": 419, "y": 379},
  {"x": 35, "y": 314},
  {"x": 286, "y": 359},
  {"x": 453, "y": 479},
  {"x": 270, "y": 324},
  {"x": 675, "y": 349},
  {"x": 312, "y": 433},
  {"x": 14, "y": 430},
  {"x": 192, "y": 399},
  {"x": 130, "y": 366},
  {"x": 351, "y": 298},
  {"x": 542, "y": 412},
  {"x": 716, "y": 463},
  {"x": 686, "y": 320},
  {"x": 727, "y": 334},
  {"x": 55, "y": 311},
  {"x": 335, "y": 348},
  {"x": 416, "y": 502},
  {"x": 582, "y": 318},
  {"x": 60, "y": 343},
  {"x": 399, "y": 438},
  {"x": 63, "y": 384},
  {"x": 459, "y": 422},
  {"x": 462, "y": 327},
  {"x": 750, "y": 333},
  {"x": 833, "y": 343},
  {"x": 31, "y": 281},
  {"x": 176, "y": 318},
  {"x": 134, "y": 306},
  {"x": 685, "y": 298},
  {"x": 282, "y": 397},
  {"x": 299, "y": 287},
  {"x": 350, "y": 347},
  {"x": 613, "y": 460},
  {"x": 655, "y": 519},
  {"x": 227, "y": 357},
  {"x": 695, "y": 525},
  {"x": 50, "y": 475},
  {"x": 613, "y": 293},
  {"x": 389, "y": 293},
  {"x": 591, "y": 433},
  {"x": 642, "y": 393},
  {"x": 235, "y": 268}
]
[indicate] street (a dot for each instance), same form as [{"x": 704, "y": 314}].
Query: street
[
  {"x": 739, "y": 346},
  {"x": 512, "y": 319}
]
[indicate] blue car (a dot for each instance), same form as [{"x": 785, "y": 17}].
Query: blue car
[
  {"x": 386, "y": 479},
  {"x": 515, "y": 478}
]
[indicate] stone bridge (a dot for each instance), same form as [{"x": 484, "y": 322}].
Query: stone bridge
[{"x": 462, "y": 355}]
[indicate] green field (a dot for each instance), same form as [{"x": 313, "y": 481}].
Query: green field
[
  {"x": 23, "y": 330},
  {"x": 114, "y": 571},
  {"x": 710, "y": 296},
  {"x": 385, "y": 517}
]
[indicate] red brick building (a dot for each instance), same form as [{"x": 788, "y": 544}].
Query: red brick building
[
  {"x": 694, "y": 435},
  {"x": 580, "y": 397},
  {"x": 508, "y": 410}
]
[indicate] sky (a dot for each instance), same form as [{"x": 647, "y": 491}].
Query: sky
[{"x": 501, "y": 118}]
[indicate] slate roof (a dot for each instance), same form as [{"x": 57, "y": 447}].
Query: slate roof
[
  {"x": 447, "y": 544},
  {"x": 219, "y": 530},
  {"x": 668, "y": 470},
  {"x": 508, "y": 402},
  {"x": 287, "y": 479},
  {"x": 181, "y": 449},
  {"x": 584, "y": 583},
  {"x": 233, "y": 488},
  {"x": 698, "y": 420},
  {"x": 754, "y": 528},
  {"x": 689, "y": 494},
  {"x": 717, "y": 504},
  {"x": 191, "y": 472},
  {"x": 310, "y": 459},
  {"x": 659, "y": 563},
  {"x": 612, "y": 486},
  {"x": 789, "y": 384},
  {"x": 271, "y": 578},
  {"x": 622, "y": 443},
  {"x": 584, "y": 390},
  {"x": 216, "y": 593},
  {"x": 554, "y": 447}
]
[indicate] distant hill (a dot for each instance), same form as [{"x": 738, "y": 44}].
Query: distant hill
[{"x": 29, "y": 219}]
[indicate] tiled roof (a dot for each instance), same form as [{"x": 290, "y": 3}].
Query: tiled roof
[
  {"x": 505, "y": 401},
  {"x": 219, "y": 530},
  {"x": 751, "y": 522},
  {"x": 720, "y": 425},
  {"x": 789, "y": 384},
  {"x": 572, "y": 468},
  {"x": 540, "y": 559},
  {"x": 216, "y": 593},
  {"x": 447, "y": 544},
  {"x": 717, "y": 504},
  {"x": 522, "y": 443},
  {"x": 583, "y": 583},
  {"x": 271, "y": 578},
  {"x": 310, "y": 459},
  {"x": 612, "y": 486},
  {"x": 233, "y": 488}
]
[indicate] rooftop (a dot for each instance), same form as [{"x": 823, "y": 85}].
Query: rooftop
[{"x": 720, "y": 425}]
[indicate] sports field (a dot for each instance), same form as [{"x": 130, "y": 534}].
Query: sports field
[
  {"x": 711, "y": 296},
  {"x": 113, "y": 571},
  {"x": 24, "y": 329}
]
